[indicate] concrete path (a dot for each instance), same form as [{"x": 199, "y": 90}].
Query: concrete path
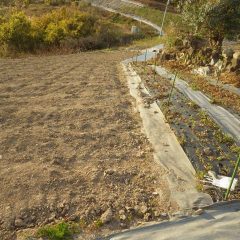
[
  {"x": 167, "y": 150},
  {"x": 218, "y": 222}
]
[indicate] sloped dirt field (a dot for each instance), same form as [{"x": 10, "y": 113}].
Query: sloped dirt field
[{"x": 71, "y": 146}]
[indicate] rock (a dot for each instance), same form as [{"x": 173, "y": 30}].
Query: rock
[
  {"x": 236, "y": 55},
  {"x": 121, "y": 212},
  {"x": 186, "y": 43},
  {"x": 235, "y": 63},
  {"x": 123, "y": 217},
  {"x": 157, "y": 214},
  {"x": 107, "y": 216},
  {"x": 147, "y": 216},
  {"x": 109, "y": 172},
  {"x": 190, "y": 51},
  {"x": 143, "y": 209},
  {"x": 228, "y": 53},
  {"x": 19, "y": 223},
  {"x": 179, "y": 44},
  {"x": 204, "y": 71},
  {"x": 167, "y": 56},
  {"x": 8, "y": 223},
  {"x": 207, "y": 151},
  {"x": 199, "y": 212},
  {"x": 164, "y": 215},
  {"x": 129, "y": 209},
  {"x": 74, "y": 218},
  {"x": 219, "y": 65},
  {"x": 123, "y": 225},
  {"x": 215, "y": 58}
]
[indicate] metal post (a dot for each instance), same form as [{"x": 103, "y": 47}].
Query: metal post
[
  {"x": 164, "y": 16},
  {"x": 155, "y": 63},
  {"x": 218, "y": 76},
  {"x": 233, "y": 176},
  {"x": 145, "y": 57},
  {"x": 137, "y": 57},
  {"x": 174, "y": 80}
]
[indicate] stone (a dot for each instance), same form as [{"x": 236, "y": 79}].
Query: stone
[
  {"x": 157, "y": 214},
  {"x": 121, "y": 212},
  {"x": 199, "y": 212},
  {"x": 165, "y": 56},
  {"x": 207, "y": 151},
  {"x": 143, "y": 209},
  {"x": 215, "y": 58},
  {"x": 107, "y": 216},
  {"x": 19, "y": 223},
  {"x": 74, "y": 218},
  {"x": 236, "y": 55},
  {"x": 147, "y": 216},
  {"x": 109, "y": 172},
  {"x": 178, "y": 44},
  {"x": 164, "y": 215},
  {"x": 123, "y": 225},
  {"x": 123, "y": 217},
  {"x": 204, "y": 71},
  {"x": 228, "y": 53}
]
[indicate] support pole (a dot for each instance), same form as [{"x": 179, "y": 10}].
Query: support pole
[
  {"x": 164, "y": 16},
  {"x": 155, "y": 63},
  {"x": 174, "y": 80},
  {"x": 233, "y": 176}
]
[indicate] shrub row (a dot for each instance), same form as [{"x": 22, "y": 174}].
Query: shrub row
[{"x": 63, "y": 27}]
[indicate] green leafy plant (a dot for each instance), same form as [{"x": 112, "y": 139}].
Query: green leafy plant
[{"x": 61, "y": 231}]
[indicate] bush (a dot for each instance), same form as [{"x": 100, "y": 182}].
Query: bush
[
  {"x": 16, "y": 32},
  {"x": 62, "y": 28},
  {"x": 61, "y": 231}
]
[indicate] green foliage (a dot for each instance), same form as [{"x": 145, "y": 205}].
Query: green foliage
[
  {"x": 61, "y": 231},
  {"x": 16, "y": 32},
  {"x": 224, "y": 18},
  {"x": 216, "y": 18},
  {"x": 67, "y": 28}
]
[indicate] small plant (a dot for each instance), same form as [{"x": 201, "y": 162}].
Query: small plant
[
  {"x": 98, "y": 223},
  {"x": 61, "y": 231},
  {"x": 234, "y": 148},
  {"x": 182, "y": 140},
  {"x": 200, "y": 175}
]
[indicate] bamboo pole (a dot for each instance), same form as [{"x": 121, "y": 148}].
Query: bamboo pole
[
  {"x": 233, "y": 176},
  {"x": 155, "y": 63},
  {"x": 174, "y": 80},
  {"x": 164, "y": 16}
]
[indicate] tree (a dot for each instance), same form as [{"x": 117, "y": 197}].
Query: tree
[
  {"x": 216, "y": 18},
  {"x": 223, "y": 20}
]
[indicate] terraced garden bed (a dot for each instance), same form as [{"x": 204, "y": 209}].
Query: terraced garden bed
[{"x": 206, "y": 145}]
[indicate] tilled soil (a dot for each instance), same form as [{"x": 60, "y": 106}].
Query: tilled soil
[{"x": 71, "y": 146}]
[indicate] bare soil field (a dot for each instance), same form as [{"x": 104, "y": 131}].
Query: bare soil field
[{"x": 71, "y": 147}]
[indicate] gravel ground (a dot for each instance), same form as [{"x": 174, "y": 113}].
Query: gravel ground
[{"x": 71, "y": 146}]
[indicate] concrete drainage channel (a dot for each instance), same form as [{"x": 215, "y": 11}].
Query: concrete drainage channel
[{"x": 180, "y": 172}]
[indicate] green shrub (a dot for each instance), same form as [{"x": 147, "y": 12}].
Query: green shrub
[
  {"x": 16, "y": 32},
  {"x": 61, "y": 231}
]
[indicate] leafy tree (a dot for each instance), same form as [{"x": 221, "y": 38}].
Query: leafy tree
[
  {"x": 216, "y": 18},
  {"x": 223, "y": 20}
]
